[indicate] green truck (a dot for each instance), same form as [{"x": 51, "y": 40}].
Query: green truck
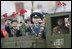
[{"x": 51, "y": 41}]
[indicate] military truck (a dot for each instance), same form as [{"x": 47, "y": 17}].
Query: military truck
[{"x": 51, "y": 41}]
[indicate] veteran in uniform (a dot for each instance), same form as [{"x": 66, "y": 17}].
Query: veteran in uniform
[
  {"x": 35, "y": 17},
  {"x": 60, "y": 28}
]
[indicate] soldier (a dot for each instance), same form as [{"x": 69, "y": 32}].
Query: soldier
[
  {"x": 60, "y": 28},
  {"x": 35, "y": 17},
  {"x": 22, "y": 28}
]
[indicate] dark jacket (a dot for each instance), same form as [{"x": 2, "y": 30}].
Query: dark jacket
[
  {"x": 18, "y": 33},
  {"x": 8, "y": 31}
]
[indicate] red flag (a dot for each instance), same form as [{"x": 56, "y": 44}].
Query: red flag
[
  {"x": 64, "y": 3},
  {"x": 4, "y": 32},
  {"x": 5, "y": 15}
]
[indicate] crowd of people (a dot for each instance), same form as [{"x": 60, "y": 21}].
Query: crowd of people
[{"x": 35, "y": 26}]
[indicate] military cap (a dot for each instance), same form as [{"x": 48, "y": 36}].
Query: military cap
[{"x": 35, "y": 15}]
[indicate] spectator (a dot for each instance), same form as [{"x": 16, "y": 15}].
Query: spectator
[
  {"x": 14, "y": 29},
  {"x": 28, "y": 28},
  {"x": 22, "y": 28}
]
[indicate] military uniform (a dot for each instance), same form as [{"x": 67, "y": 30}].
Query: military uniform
[
  {"x": 60, "y": 30},
  {"x": 36, "y": 29},
  {"x": 36, "y": 25}
]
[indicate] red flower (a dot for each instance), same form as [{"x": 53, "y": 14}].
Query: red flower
[
  {"x": 12, "y": 14},
  {"x": 64, "y": 3},
  {"x": 22, "y": 11},
  {"x": 16, "y": 12},
  {"x": 59, "y": 3},
  {"x": 5, "y": 15}
]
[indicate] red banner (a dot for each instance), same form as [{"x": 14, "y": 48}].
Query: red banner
[{"x": 4, "y": 32}]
